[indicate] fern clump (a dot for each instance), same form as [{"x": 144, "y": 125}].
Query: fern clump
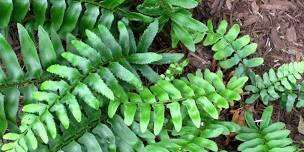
[
  {"x": 88, "y": 80},
  {"x": 268, "y": 136},
  {"x": 280, "y": 84}
]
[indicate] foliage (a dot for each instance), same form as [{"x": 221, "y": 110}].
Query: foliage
[
  {"x": 231, "y": 50},
  {"x": 65, "y": 15},
  {"x": 280, "y": 84},
  {"x": 88, "y": 62},
  {"x": 268, "y": 136},
  {"x": 174, "y": 70},
  {"x": 184, "y": 28},
  {"x": 16, "y": 81},
  {"x": 200, "y": 93},
  {"x": 193, "y": 139},
  {"x": 88, "y": 78}
]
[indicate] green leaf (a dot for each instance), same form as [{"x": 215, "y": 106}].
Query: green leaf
[
  {"x": 129, "y": 113},
  {"x": 188, "y": 4},
  {"x": 208, "y": 107},
  {"x": 46, "y": 50},
  {"x": 176, "y": 115},
  {"x": 50, "y": 124},
  {"x": 266, "y": 117},
  {"x": 183, "y": 20},
  {"x": 147, "y": 37},
  {"x": 74, "y": 107},
  {"x": 111, "y": 4},
  {"x": 41, "y": 131},
  {"x": 9, "y": 59},
  {"x": 112, "y": 108},
  {"x": 98, "y": 85},
  {"x": 124, "y": 74},
  {"x": 11, "y": 136},
  {"x": 154, "y": 148},
  {"x": 233, "y": 33},
  {"x": 184, "y": 36},
  {"x": 237, "y": 84},
  {"x": 230, "y": 62},
  {"x": 169, "y": 58},
  {"x": 80, "y": 62},
  {"x": 31, "y": 139},
  {"x": 29, "y": 52},
  {"x": 61, "y": 114},
  {"x": 86, "y": 51},
  {"x": 34, "y": 108},
  {"x": 110, "y": 41},
  {"x": 144, "y": 114},
  {"x": 123, "y": 37},
  {"x": 170, "y": 89},
  {"x": 86, "y": 95},
  {"x": 144, "y": 58},
  {"x": 254, "y": 62},
  {"x": 193, "y": 112},
  {"x": 247, "y": 50},
  {"x": 90, "y": 143},
  {"x": 159, "y": 117},
  {"x": 249, "y": 120},
  {"x": 222, "y": 27},
  {"x": 71, "y": 74}
]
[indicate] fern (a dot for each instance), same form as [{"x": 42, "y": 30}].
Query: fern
[
  {"x": 16, "y": 81},
  {"x": 231, "y": 50},
  {"x": 205, "y": 92},
  {"x": 267, "y": 136},
  {"x": 65, "y": 15},
  {"x": 183, "y": 27},
  {"x": 113, "y": 136},
  {"x": 277, "y": 84},
  {"x": 193, "y": 139},
  {"x": 89, "y": 79}
]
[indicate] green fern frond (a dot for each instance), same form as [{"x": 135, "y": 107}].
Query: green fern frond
[
  {"x": 231, "y": 50},
  {"x": 203, "y": 92},
  {"x": 64, "y": 14},
  {"x": 184, "y": 28},
  {"x": 193, "y": 139},
  {"x": 267, "y": 136},
  {"x": 274, "y": 85},
  {"x": 16, "y": 81}
]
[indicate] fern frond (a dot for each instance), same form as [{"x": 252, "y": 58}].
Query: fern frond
[
  {"x": 203, "y": 92},
  {"x": 267, "y": 136},
  {"x": 184, "y": 28},
  {"x": 231, "y": 50},
  {"x": 274, "y": 85},
  {"x": 64, "y": 14},
  {"x": 193, "y": 139},
  {"x": 16, "y": 81}
]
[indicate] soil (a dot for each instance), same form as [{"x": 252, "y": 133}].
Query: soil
[{"x": 277, "y": 27}]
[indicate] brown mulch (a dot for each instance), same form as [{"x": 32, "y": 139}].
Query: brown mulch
[{"x": 277, "y": 27}]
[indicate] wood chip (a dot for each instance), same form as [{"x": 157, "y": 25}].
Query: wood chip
[
  {"x": 250, "y": 20},
  {"x": 301, "y": 126},
  {"x": 276, "y": 41},
  {"x": 291, "y": 34}
]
